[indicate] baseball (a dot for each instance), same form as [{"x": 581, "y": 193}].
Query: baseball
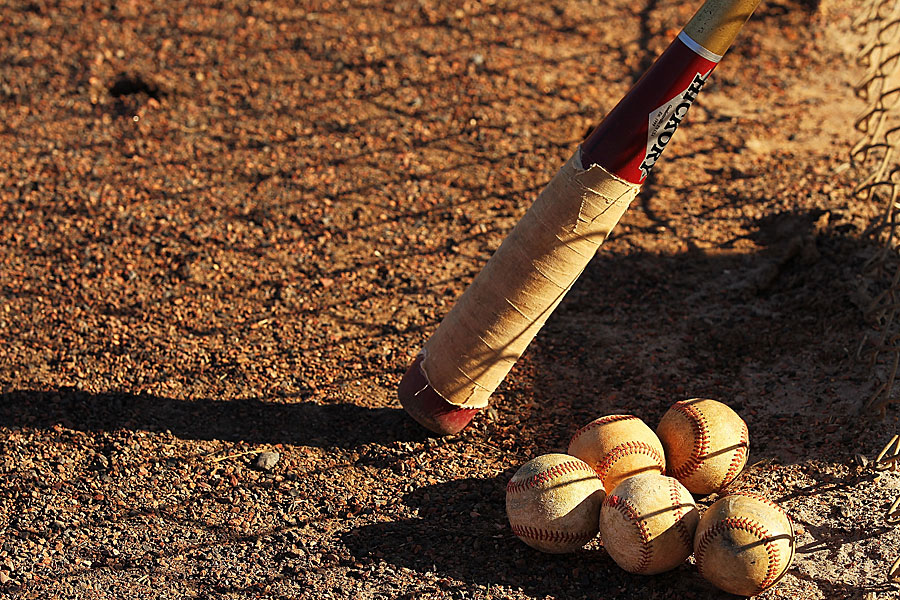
[
  {"x": 647, "y": 523},
  {"x": 706, "y": 444},
  {"x": 618, "y": 446},
  {"x": 553, "y": 503},
  {"x": 744, "y": 544}
]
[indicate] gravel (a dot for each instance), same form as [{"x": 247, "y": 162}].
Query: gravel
[{"x": 226, "y": 228}]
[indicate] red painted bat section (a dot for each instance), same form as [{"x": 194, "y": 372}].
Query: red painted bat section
[
  {"x": 619, "y": 143},
  {"x": 427, "y": 407}
]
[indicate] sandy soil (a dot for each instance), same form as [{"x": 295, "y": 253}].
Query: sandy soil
[{"x": 227, "y": 227}]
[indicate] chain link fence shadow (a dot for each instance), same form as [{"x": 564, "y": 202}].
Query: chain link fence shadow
[{"x": 877, "y": 158}]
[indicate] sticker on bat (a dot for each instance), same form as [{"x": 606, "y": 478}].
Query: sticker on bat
[{"x": 665, "y": 120}]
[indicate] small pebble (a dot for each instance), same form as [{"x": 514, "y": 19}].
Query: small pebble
[{"x": 267, "y": 460}]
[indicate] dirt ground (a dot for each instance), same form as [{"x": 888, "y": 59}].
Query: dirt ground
[{"x": 227, "y": 227}]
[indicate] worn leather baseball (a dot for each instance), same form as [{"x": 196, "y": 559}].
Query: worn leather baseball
[
  {"x": 744, "y": 544},
  {"x": 706, "y": 444},
  {"x": 553, "y": 503},
  {"x": 618, "y": 446},
  {"x": 647, "y": 523}
]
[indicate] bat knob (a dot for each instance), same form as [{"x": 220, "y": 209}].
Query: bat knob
[{"x": 427, "y": 407}]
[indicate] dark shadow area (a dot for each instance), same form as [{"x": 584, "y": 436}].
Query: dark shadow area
[
  {"x": 131, "y": 84},
  {"x": 465, "y": 518},
  {"x": 639, "y": 331},
  {"x": 248, "y": 420},
  {"x": 646, "y": 37}
]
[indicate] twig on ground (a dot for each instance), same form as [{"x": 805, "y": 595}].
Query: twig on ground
[{"x": 221, "y": 458}]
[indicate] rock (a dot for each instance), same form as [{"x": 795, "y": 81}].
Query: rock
[
  {"x": 101, "y": 463},
  {"x": 267, "y": 460},
  {"x": 4, "y": 577}
]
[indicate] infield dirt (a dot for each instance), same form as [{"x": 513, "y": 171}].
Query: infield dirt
[{"x": 227, "y": 228}]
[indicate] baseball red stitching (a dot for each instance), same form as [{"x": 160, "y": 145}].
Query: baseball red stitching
[
  {"x": 749, "y": 526},
  {"x": 546, "y": 535},
  {"x": 675, "y": 496},
  {"x": 613, "y": 418},
  {"x": 629, "y": 511},
  {"x": 624, "y": 449},
  {"x": 598, "y": 422},
  {"x": 701, "y": 440},
  {"x": 740, "y": 455},
  {"x": 570, "y": 466}
]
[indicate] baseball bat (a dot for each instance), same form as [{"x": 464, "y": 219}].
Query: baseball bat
[{"x": 504, "y": 307}]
